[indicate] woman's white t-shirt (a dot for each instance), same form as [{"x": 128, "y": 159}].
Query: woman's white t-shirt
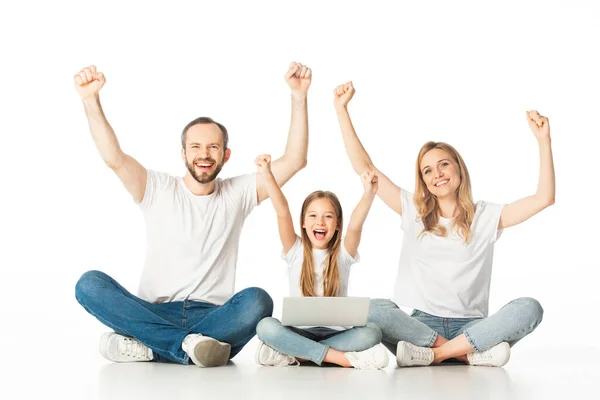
[{"x": 443, "y": 276}]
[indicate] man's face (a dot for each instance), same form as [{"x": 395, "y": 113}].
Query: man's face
[{"x": 204, "y": 154}]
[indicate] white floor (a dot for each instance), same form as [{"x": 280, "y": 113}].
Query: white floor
[{"x": 80, "y": 373}]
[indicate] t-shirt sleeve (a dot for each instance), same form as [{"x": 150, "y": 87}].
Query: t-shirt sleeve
[
  {"x": 155, "y": 181},
  {"x": 244, "y": 187},
  {"x": 294, "y": 253},
  {"x": 491, "y": 218},
  {"x": 345, "y": 257},
  {"x": 409, "y": 211}
]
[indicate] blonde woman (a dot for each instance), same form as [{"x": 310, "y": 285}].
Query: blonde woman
[
  {"x": 319, "y": 264},
  {"x": 446, "y": 259}
]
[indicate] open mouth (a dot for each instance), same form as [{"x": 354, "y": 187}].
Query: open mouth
[
  {"x": 204, "y": 165},
  {"x": 320, "y": 234},
  {"x": 442, "y": 183}
]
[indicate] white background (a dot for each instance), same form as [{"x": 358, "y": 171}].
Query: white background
[{"x": 459, "y": 72}]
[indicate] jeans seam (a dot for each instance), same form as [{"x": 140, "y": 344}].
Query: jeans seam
[
  {"x": 323, "y": 354},
  {"x": 470, "y": 340},
  {"x": 434, "y": 336}
]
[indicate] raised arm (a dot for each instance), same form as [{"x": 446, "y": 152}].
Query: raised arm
[
  {"x": 88, "y": 83},
  {"x": 293, "y": 160},
  {"x": 521, "y": 210},
  {"x": 359, "y": 215},
  {"x": 284, "y": 218},
  {"x": 360, "y": 160}
]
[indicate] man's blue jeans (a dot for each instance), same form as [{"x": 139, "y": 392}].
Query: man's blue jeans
[{"x": 162, "y": 327}]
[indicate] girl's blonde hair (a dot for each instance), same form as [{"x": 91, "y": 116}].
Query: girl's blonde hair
[
  {"x": 427, "y": 203},
  {"x": 331, "y": 275}
]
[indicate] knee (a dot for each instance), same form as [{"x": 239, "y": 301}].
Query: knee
[
  {"x": 378, "y": 307},
  {"x": 372, "y": 334},
  {"x": 260, "y": 304},
  {"x": 268, "y": 328},
  {"x": 89, "y": 285},
  {"x": 530, "y": 310}
]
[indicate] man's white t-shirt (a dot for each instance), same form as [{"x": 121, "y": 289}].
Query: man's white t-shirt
[
  {"x": 443, "y": 276},
  {"x": 193, "y": 240},
  {"x": 295, "y": 257}
]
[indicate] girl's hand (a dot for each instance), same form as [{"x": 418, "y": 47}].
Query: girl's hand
[
  {"x": 369, "y": 181},
  {"x": 342, "y": 95},
  {"x": 540, "y": 126},
  {"x": 263, "y": 164}
]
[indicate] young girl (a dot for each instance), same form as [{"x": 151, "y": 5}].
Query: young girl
[
  {"x": 446, "y": 259},
  {"x": 319, "y": 265}
]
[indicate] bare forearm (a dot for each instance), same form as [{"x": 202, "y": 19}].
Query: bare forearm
[
  {"x": 359, "y": 158},
  {"x": 359, "y": 215},
  {"x": 296, "y": 148},
  {"x": 546, "y": 184},
  {"x": 102, "y": 133},
  {"x": 276, "y": 195}
]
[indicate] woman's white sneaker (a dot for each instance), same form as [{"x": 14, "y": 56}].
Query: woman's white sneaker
[
  {"x": 409, "y": 355},
  {"x": 119, "y": 348},
  {"x": 497, "y": 356},
  {"x": 269, "y": 357},
  {"x": 205, "y": 351},
  {"x": 374, "y": 358}
]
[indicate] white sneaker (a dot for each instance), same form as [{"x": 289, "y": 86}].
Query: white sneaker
[
  {"x": 497, "y": 356},
  {"x": 374, "y": 358},
  {"x": 119, "y": 348},
  {"x": 270, "y": 357},
  {"x": 205, "y": 351},
  {"x": 409, "y": 355}
]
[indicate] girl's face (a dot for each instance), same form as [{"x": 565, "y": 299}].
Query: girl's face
[
  {"x": 320, "y": 223},
  {"x": 440, "y": 173}
]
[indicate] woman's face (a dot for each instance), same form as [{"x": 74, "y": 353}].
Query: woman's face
[{"x": 440, "y": 173}]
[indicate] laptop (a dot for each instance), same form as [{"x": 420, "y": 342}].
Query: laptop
[{"x": 325, "y": 311}]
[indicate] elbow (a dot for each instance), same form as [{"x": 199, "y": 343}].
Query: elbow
[
  {"x": 550, "y": 201},
  {"x": 300, "y": 164}
]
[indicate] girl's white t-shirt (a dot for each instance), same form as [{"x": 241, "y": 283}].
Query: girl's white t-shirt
[
  {"x": 443, "y": 276},
  {"x": 295, "y": 257}
]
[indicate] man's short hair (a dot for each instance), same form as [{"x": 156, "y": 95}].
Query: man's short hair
[{"x": 205, "y": 120}]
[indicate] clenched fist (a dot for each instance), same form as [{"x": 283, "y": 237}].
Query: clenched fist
[
  {"x": 370, "y": 182},
  {"x": 88, "y": 82},
  {"x": 342, "y": 95},
  {"x": 263, "y": 164},
  {"x": 298, "y": 77},
  {"x": 540, "y": 126}
]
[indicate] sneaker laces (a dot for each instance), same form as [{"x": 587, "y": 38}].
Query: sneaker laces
[
  {"x": 134, "y": 348},
  {"x": 420, "y": 353}
]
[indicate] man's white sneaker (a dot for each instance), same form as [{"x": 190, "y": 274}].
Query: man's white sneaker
[
  {"x": 497, "y": 356},
  {"x": 205, "y": 351},
  {"x": 409, "y": 355},
  {"x": 270, "y": 357},
  {"x": 374, "y": 358},
  {"x": 119, "y": 348}
]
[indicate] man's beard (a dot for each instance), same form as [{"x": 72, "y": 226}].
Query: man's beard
[{"x": 204, "y": 177}]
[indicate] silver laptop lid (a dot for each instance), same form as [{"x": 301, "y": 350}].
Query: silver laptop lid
[{"x": 325, "y": 311}]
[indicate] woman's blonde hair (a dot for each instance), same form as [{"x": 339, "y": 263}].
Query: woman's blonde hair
[
  {"x": 427, "y": 203},
  {"x": 331, "y": 275}
]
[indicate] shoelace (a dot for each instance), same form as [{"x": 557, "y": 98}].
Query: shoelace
[
  {"x": 420, "y": 353},
  {"x": 483, "y": 356},
  {"x": 134, "y": 348}
]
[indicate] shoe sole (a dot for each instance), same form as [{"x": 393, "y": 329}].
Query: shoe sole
[{"x": 211, "y": 353}]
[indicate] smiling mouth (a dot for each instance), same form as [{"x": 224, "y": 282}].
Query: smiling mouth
[
  {"x": 442, "y": 183},
  {"x": 204, "y": 166},
  {"x": 320, "y": 234}
]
